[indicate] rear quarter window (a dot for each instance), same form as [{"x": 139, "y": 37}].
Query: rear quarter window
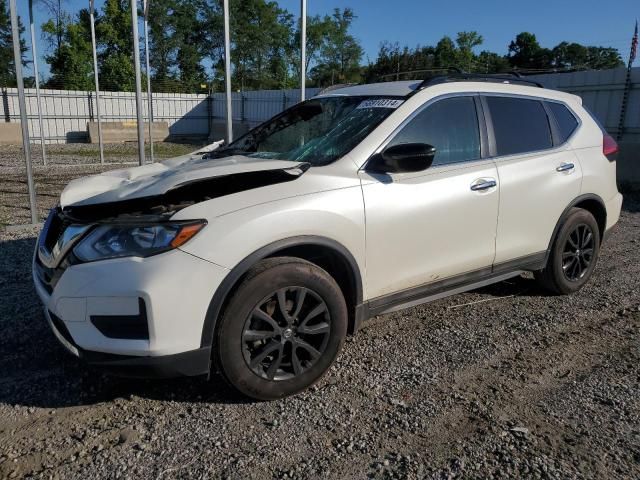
[
  {"x": 565, "y": 120},
  {"x": 520, "y": 125}
]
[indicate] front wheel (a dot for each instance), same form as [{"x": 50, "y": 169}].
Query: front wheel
[
  {"x": 573, "y": 255},
  {"x": 282, "y": 329}
]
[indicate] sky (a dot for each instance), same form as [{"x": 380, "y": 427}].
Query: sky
[{"x": 424, "y": 22}]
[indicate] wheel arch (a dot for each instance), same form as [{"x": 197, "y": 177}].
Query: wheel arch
[
  {"x": 328, "y": 254},
  {"x": 589, "y": 202}
]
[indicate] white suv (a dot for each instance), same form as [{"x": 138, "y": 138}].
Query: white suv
[{"x": 256, "y": 259}]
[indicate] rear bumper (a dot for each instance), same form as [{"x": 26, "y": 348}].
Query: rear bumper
[
  {"x": 613, "y": 207},
  {"x": 190, "y": 363}
]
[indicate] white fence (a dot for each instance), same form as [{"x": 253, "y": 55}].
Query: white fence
[
  {"x": 66, "y": 112},
  {"x": 602, "y": 93}
]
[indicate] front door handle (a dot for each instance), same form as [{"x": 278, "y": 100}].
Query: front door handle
[
  {"x": 565, "y": 167},
  {"x": 483, "y": 184}
]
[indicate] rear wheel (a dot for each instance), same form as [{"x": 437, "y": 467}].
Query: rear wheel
[
  {"x": 282, "y": 329},
  {"x": 573, "y": 254}
]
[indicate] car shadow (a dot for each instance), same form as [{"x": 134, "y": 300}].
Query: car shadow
[
  {"x": 36, "y": 371},
  {"x": 631, "y": 201}
]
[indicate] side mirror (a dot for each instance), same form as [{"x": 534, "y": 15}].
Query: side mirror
[{"x": 404, "y": 157}]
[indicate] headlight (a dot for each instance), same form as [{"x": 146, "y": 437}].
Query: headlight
[{"x": 115, "y": 241}]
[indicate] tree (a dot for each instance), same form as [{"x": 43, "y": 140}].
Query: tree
[
  {"x": 600, "y": 58},
  {"x": 58, "y": 20},
  {"x": 445, "y": 53},
  {"x": 113, "y": 31},
  {"x": 393, "y": 62},
  {"x": 490, "y": 62},
  {"x": 317, "y": 35},
  {"x": 261, "y": 35},
  {"x": 71, "y": 60},
  {"x": 341, "y": 53},
  {"x": 161, "y": 42},
  {"x": 7, "y": 64},
  {"x": 575, "y": 56},
  {"x": 187, "y": 39},
  {"x": 466, "y": 42},
  {"x": 526, "y": 53}
]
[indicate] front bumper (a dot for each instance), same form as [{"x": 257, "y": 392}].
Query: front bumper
[
  {"x": 191, "y": 363},
  {"x": 169, "y": 292}
]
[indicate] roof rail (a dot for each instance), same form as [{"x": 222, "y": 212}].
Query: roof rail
[
  {"x": 398, "y": 75},
  {"x": 510, "y": 77}
]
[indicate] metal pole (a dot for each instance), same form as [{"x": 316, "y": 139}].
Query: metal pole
[
  {"x": 136, "y": 64},
  {"x": 95, "y": 77},
  {"x": 145, "y": 7},
  {"x": 17, "y": 58},
  {"x": 227, "y": 70},
  {"x": 303, "y": 48},
  {"x": 34, "y": 55}
]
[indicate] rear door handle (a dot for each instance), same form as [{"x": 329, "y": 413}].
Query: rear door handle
[
  {"x": 483, "y": 184},
  {"x": 565, "y": 167}
]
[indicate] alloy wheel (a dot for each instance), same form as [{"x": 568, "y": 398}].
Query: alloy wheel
[
  {"x": 286, "y": 333},
  {"x": 577, "y": 254}
]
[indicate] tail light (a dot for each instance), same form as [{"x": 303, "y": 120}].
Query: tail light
[{"x": 610, "y": 148}]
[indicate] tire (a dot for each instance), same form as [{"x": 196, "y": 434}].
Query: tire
[
  {"x": 267, "y": 354},
  {"x": 573, "y": 254}
]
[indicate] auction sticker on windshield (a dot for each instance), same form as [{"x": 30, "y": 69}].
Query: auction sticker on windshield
[{"x": 381, "y": 103}]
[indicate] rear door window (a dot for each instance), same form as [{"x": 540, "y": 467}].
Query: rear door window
[
  {"x": 565, "y": 120},
  {"x": 520, "y": 125}
]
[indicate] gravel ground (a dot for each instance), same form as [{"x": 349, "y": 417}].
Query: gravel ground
[
  {"x": 66, "y": 162},
  {"x": 502, "y": 382}
]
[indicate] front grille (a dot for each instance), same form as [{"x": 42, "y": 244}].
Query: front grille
[
  {"x": 54, "y": 228},
  {"x": 44, "y": 275},
  {"x": 49, "y": 277}
]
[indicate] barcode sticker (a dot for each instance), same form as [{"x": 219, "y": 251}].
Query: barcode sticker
[{"x": 381, "y": 103}]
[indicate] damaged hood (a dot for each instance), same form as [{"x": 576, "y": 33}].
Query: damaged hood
[{"x": 159, "y": 178}]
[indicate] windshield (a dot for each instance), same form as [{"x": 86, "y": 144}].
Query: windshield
[{"x": 317, "y": 131}]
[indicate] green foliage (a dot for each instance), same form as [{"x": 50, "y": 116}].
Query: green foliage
[
  {"x": 339, "y": 53},
  {"x": 524, "y": 53},
  {"x": 115, "y": 44},
  {"x": 466, "y": 42},
  {"x": 491, "y": 62},
  {"x": 71, "y": 61},
  {"x": 574, "y": 55},
  {"x": 179, "y": 43},
  {"x": 117, "y": 73},
  {"x": 187, "y": 55},
  {"x": 261, "y": 35},
  {"x": 7, "y": 64}
]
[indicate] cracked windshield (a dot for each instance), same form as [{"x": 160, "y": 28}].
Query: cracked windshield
[{"x": 318, "y": 131}]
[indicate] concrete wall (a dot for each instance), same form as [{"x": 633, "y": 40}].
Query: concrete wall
[
  {"x": 10, "y": 134},
  {"x": 120, "y": 132}
]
